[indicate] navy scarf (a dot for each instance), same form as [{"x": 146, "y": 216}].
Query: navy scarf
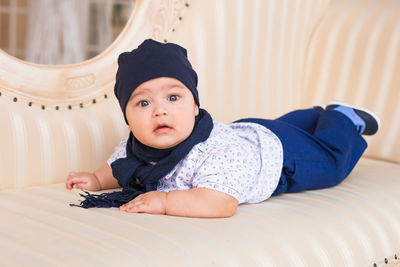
[{"x": 144, "y": 166}]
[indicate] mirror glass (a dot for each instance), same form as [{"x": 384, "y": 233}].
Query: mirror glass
[{"x": 57, "y": 32}]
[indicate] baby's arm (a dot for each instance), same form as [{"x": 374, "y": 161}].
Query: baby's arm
[
  {"x": 200, "y": 202},
  {"x": 100, "y": 179},
  {"x": 196, "y": 202}
]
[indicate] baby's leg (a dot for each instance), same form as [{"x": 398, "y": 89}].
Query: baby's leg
[
  {"x": 305, "y": 119},
  {"x": 315, "y": 156},
  {"x": 323, "y": 159}
]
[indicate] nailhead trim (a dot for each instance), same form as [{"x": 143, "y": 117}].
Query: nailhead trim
[
  {"x": 386, "y": 260},
  {"x": 180, "y": 18},
  {"x": 43, "y": 107}
]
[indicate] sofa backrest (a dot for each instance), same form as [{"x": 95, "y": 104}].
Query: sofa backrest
[
  {"x": 354, "y": 56},
  {"x": 256, "y": 58},
  {"x": 249, "y": 54}
]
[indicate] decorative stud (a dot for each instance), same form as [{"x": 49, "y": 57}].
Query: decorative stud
[
  {"x": 81, "y": 105},
  {"x": 180, "y": 18},
  {"x": 187, "y": 4},
  {"x": 165, "y": 41}
]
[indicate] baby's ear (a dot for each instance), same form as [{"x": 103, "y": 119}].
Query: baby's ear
[{"x": 196, "y": 109}]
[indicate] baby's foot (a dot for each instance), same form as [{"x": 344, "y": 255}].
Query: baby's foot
[
  {"x": 366, "y": 122},
  {"x": 319, "y": 108}
]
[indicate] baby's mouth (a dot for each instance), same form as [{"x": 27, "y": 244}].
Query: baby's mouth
[{"x": 162, "y": 128}]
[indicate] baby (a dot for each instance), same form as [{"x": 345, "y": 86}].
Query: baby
[{"x": 178, "y": 161}]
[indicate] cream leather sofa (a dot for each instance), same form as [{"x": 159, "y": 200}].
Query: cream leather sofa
[{"x": 254, "y": 58}]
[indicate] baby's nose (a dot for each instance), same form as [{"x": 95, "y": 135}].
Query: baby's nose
[{"x": 160, "y": 110}]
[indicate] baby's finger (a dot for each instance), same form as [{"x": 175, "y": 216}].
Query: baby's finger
[
  {"x": 69, "y": 183},
  {"x": 133, "y": 206},
  {"x": 125, "y": 206},
  {"x": 136, "y": 208},
  {"x": 77, "y": 182}
]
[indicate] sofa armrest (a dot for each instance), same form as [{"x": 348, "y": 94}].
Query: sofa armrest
[{"x": 41, "y": 146}]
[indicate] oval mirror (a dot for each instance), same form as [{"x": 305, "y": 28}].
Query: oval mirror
[
  {"x": 71, "y": 85},
  {"x": 58, "y": 32}
]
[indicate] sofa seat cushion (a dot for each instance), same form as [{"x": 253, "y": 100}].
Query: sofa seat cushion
[{"x": 356, "y": 223}]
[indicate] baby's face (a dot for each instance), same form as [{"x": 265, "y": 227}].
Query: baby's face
[{"x": 161, "y": 112}]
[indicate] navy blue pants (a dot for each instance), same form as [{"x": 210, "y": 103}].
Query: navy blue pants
[{"x": 319, "y": 148}]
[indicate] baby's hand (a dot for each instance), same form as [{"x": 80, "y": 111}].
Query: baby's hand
[
  {"x": 83, "y": 180},
  {"x": 153, "y": 202}
]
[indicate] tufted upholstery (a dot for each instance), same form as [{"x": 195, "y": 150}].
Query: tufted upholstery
[
  {"x": 354, "y": 56},
  {"x": 249, "y": 56},
  {"x": 256, "y": 58}
]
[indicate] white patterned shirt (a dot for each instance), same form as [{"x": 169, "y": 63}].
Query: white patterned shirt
[{"x": 242, "y": 159}]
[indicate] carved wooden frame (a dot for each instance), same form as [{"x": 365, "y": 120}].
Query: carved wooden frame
[{"x": 57, "y": 87}]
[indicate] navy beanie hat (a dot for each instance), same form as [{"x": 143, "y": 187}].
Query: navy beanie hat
[{"x": 152, "y": 60}]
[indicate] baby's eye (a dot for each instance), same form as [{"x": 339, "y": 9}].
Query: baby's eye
[
  {"x": 173, "y": 98},
  {"x": 143, "y": 103}
]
